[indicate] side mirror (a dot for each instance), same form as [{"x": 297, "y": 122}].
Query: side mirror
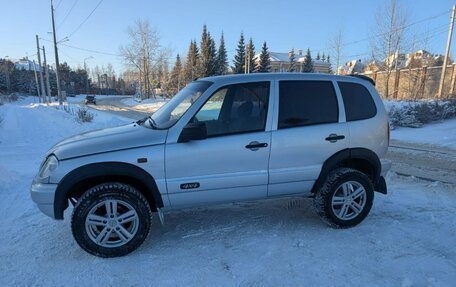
[{"x": 193, "y": 131}]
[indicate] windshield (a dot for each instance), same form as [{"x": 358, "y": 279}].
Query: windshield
[{"x": 171, "y": 112}]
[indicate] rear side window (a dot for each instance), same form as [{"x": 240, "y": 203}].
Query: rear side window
[
  {"x": 303, "y": 103},
  {"x": 358, "y": 102}
]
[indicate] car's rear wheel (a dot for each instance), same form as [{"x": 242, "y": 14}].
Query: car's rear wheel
[
  {"x": 345, "y": 198},
  {"x": 111, "y": 219}
]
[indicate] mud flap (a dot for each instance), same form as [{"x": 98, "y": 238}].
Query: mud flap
[{"x": 381, "y": 186}]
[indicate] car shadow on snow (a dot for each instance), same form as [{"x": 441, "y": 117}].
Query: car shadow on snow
[{"x": 233, "y": 221}]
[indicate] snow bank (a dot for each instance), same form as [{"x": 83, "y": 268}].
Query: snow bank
[
  {"x": 408, "y": 239},
  {"x": 416, "y": 113},
  {"x": 438, "y": 134}
]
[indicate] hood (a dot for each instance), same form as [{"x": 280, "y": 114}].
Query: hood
[{"x": 108, "y": 140}]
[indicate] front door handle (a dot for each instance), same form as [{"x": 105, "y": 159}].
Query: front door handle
[
  {"x": 256, "y": 145},
  {"x": 334, "y": 138}
]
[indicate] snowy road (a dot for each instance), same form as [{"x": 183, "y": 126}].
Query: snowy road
[
  {"x": 423, "y": 161},
  {"x": 114, "y": 105}
]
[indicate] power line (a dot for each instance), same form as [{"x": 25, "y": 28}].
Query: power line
[
  {"x": 58, "y": 4},
  {"x": 392, "y": 31},
  {"x": 85, "y": 20},
  {"x": 66, "y": 16},
  {"x": 91, "y": 51},
  {"x": 436, "y": 32}
]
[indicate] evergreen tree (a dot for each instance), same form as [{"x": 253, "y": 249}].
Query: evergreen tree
[
  {"x": 264, "y": 65},
  {"x": 291, "y": 57},
  {"x": 323, "y": 57},
  {"x": 327, "y": 59},
  {"x": 190, "y": 72},
  {"x": 307, "y": 66},
  {"x": 318, "y": 56},
  {"x": 239, "y": 58},
  {"x": 175, "y": 81},
  {"x": 222, "y": 58},
  {"x": 207, "y": 59},
  {"x": 251, "y": 65}
]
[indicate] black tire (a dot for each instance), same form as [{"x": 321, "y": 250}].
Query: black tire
[
  {"x": 121, "y": 194},
  {"x": 323, "y": 200}
]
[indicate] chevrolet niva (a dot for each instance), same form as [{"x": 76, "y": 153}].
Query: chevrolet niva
[{"x": 222, "y": 139}]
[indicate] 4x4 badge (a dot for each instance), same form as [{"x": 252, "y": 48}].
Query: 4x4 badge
[{"x": 190, "y": 185}]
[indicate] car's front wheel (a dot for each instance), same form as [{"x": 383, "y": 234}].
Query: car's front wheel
[
  {"x": 111, "y": 219},
  {"x": 345, "y": 198}
]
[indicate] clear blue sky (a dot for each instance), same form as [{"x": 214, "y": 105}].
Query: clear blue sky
[{"x": 283, "y": 24}]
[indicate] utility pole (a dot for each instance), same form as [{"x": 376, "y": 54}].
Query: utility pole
[
  {"x": 46, "y": 68},
  {"x": 87, "y": 78},
  {"x": 87, "y": 74},
  {"x": 447, "y": 52},
  {"x": 43, "y": 92},
  {"x": 59, "y": 92},
  {"x": 36, "y": 81}
]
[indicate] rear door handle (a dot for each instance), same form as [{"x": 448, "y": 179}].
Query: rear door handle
[
  {"x": 334, "y": 138},
  {"x": 255, "y": 145}
]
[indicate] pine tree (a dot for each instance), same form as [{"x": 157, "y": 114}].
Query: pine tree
[
  {"x": 175, "y": 82},
  {"x": 222, "y": 58},
  {"x": 207, "y": 59},
  {"x": 239, "y": 58},
  {"x": 323, "y": 57},
  {"x": 251, "y": 65},
  {"x": 307, "y": 66},
  {"x": 264, "y": 65},
  {"x": 190, "y": 72},
  {"x": 291, "y": 57},
  {"x": 318, "y": 56}
]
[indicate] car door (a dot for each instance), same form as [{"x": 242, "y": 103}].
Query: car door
[
  {"x": 310, "y": 128},
  {"x": 232, "y": 162}
]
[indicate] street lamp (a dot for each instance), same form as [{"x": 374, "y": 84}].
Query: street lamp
[{"x": 87, "y": 74}]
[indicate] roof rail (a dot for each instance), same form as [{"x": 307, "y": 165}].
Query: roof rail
[{"x": 370, "y": 80}]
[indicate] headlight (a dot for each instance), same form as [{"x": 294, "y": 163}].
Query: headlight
[{"x": 49, "y": 166}]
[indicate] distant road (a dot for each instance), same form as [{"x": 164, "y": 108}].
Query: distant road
[{"x": 115, "y": 106}]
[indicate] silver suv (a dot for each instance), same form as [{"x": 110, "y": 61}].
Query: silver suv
[{"x": 222, "y": 139}]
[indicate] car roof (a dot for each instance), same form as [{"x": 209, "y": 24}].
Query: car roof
[{"x": 239, "y": 78}]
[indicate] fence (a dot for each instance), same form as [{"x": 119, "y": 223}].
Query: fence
[{"x": 416, "y": 83}]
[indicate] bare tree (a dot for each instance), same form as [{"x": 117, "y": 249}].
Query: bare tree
[
  {"x": 386, "y": 44},
  {"x": 144, "y": 53},
  {"x": 336, "y": 47}
]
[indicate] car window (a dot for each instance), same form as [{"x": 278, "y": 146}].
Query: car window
[
  {"x": 235, "y": 109},
  {"x": 172, "y": 111},
  {"x": 358, "y": 102},
  {"x": 303, "y": 103},
  {"x": 211, "y": 110}
]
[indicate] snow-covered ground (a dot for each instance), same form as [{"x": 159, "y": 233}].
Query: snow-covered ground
[
  {"x": 438, "y": 134},
  {"x": 408, "y": 239}
]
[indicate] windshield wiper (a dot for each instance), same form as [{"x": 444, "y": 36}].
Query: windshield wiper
[{"x": 141, "y": 121}]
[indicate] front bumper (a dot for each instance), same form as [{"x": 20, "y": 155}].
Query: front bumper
[{"x": 43, "y": 195}]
